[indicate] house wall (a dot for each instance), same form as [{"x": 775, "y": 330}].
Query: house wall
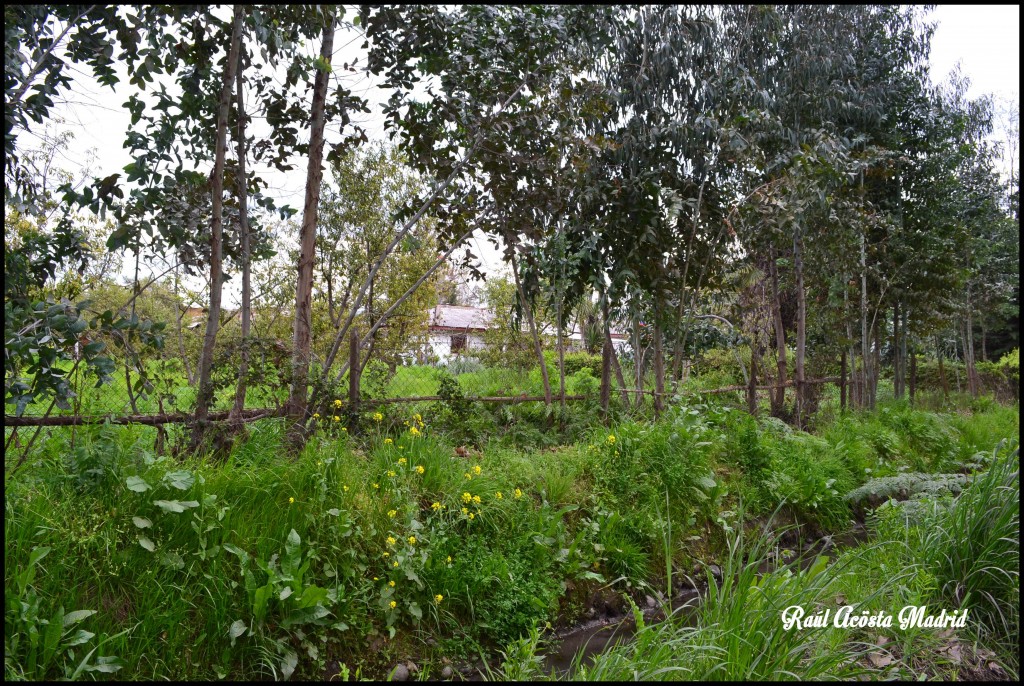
[{"x": 441, "y": 344}]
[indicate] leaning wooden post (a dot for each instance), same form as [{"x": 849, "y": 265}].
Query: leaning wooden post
[
  {"x": 606, "y": 378},
  {"x": 353, "y": 377}
]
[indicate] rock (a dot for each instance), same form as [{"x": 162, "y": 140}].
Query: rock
[
  {"x": 716, "y": 572},
  {"x": 651, "y": 602},
  {"x": 411, "y": 666},
  {"x": 447, "y": 672},
  {"x": 400, "y": 673}
]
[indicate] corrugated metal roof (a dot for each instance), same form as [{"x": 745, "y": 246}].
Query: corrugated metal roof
[{"x": 460, "y": 317}]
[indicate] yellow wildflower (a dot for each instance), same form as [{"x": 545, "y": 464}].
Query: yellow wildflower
[
  {"x": 391, "y": 472},
  {"x": 337, "y": 403},
  {"x": 476, "y": 469},
  {"x": 395, "y": 563},
  {"x": 471, "y": 515},
  {"x": 414, "y": 431},
  {"x": 465, "y": 511},
  {"x": 291, "y": 500},
  {"x": 393, "y": 603},
  {"x": 401, "y": 460},
  {"x": 449, "y": 559},
  {"x": 376, "y": 485},
  {"x": 476, "y": 499},
  {"x": 498, "y": 495},
  {"x": 316, "y": 415},
  {"x": 469, "y": 477},
  {"x": 336, "y": 418},
  {"x": 391, "y": 539},
  {"x": 417, "y": 417},
  {"x": 611, "y": 439},
  {"x": 345, "y": 488},
  {"x": 466, "y": 497},
  {"x": 412, "y": 540},
  {"x": 420, "y": 469},
  {"x": 377, "y": 416},
  {"x": 388, "y": 441},
  {"x": 345, "y": 429},
  {"x": 392, "y": 513},
  {"x": 438, "y": 598},
  {"x": 436, "y": 506},
  {"x": 391, "y": 584},
  {"x": 387, "y": 554},
  {"x": 518, "y": 494},
  {"x": 376, "y": 579}
]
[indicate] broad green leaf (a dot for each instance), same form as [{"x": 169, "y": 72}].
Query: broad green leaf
[
  {"x": 142, "y": 522},
  {"x": 137, "y": 484},
  {"x": 288, "y": 664},
  {"x": 285, "y": 592},
  {"x": 415, "y": 611},
  {"x": 175, "y": 505},
  {"x": 38, "y": 554},
  {"x": 182, "y": 480},
  {"x": 291, "y": 546},
  {"x": 78, "y": 638},
  {"x": 237, "y": 628},
  {"x": 147, "y": 544},
  {"x": 172, "y": 560},
  {"x": 77, "y": 616}
]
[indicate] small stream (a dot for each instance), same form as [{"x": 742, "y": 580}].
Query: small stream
[{"x": 597, "y": 635}]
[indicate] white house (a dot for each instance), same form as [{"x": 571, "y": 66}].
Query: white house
[{"x": 458, "y": 330}]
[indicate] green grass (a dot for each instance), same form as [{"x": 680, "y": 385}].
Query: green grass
[{"x": 276, "y": 567}]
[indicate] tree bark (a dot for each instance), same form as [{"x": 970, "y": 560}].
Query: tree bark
[
  {"x": 659, "y": 370},
  {"x": 867, "y": 395},
  {"x": 204, "y": 397},
  {"x": 533, "y": 332},
  {"x": 307, "y": 244},
  {"x": 842, "y": 382},
  {"x": 913, "y": 374},
  {"x": 778, "y": 397},
  {"x": 942, "y": 371},
  {"x": 616, "y": 367},
  {"x": 243, "y": 227},
  {"x": 801, "y": 326}
]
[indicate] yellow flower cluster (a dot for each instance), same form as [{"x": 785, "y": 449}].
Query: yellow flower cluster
[
  {"x": 436, "y": 506},
  {"x": 438, "y": 598},
  {"x": 414, "y": 431},
  {"x": 291, "y": 500},
  {"x": 388, "y": 441},
  {"x": 420, "y": 469},
  {"x": 611, "y": 439},
  {"x": 466, "y": 497},
  {"x": 391, "y": 472},
  {"x": 476, "y": 469},
  {"x": 392, "y": 513},
  {"x": 336, "y": 418},
  {"x": 412, "y": 540},
  {"x": 498, "y": 495},
  {"x": 377, "y": 416},
  {"x": 402, "y": 460},
  {"x": 476, "y": 500},
  {"x": 391, "y": 584},
  {"x": 393, "y": 603},
  {"x": 391, "y": 539},
  {"x": 337, "y": 403},
  {"x": 316, "y": 415},
  {"x": 518, "y": 494}
]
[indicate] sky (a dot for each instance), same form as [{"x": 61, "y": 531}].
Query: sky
[{"x": 984, "y": 40}]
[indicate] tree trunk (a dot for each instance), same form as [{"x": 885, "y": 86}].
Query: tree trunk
[
  {"x": 755, "y": 360},
  {"x": 561, "y": 359},
  {"x": 307, "y": 244},
  {"x": 533, "y": 332},
  {"x": 778, "y": 398},
  {"x": 606, "y": 379},
  {"x": 913, "y": 374},
  {"x": 801, "y": 327},
  {"x": 942, "y": 370},
  {"x": 616, "y": 367},
  {"x": 903, "y": 350},
  {"x": 896, "y": 388},
  {"x": 842, "y": 382},
  {"x": 204, "y": 397},
  {"x": 659, "y": 370},
  {"x": 973, "y": 383},
  {"x": 867, "y": 395},
  {"x": 243, "y": 227}
]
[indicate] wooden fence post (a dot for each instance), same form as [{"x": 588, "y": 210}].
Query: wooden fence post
[{"x": 353, "y": 375}]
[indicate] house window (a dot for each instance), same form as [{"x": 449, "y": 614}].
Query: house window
[{"x": 458, "y": 343}]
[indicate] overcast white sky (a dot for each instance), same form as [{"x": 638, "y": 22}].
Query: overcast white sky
[{"x": 984, "y": 40}]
